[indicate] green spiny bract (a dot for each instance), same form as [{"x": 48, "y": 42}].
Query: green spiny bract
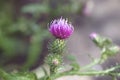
[
  {"x": 53, "y": 60},
  {"x": 57, "y": 47}
]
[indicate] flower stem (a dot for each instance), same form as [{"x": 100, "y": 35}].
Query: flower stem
[
  {"x": 90, "y": 65},
  {"x": 89, "y": 73},
  {"x": 114, "y": 78}
]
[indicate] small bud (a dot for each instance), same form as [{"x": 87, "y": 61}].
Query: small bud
[
  {"x": 56, "y": 62},
  {"x": 61, "y": 29},
  {"x": 99, "y": 40},
  {"x": 53, "y": 60},
  {"x": 93, "y": 35}
]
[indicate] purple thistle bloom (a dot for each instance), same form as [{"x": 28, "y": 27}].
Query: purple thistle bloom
[
  {"x": 93, "y": 35},
  {"x": 61, "y": 29}
]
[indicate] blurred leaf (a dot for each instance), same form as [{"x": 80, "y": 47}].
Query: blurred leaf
[
  {"x": 35, "y": 47},
  {"x": 7, "y": 44},
  {"x": 109, "y": 51},
  {"x": 35, "y": 8},
  {"x": 71, "y": 57},
  {"x": 18, "y": 76},
  {"x": 75, "y": 66}
]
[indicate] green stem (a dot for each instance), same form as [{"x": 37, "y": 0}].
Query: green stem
[
  {"x": 53, "y": 70},
  {"x": 114, "y": 78},
  {"x": 90, "y": 73},
  {"x": 90, "y": 65}
]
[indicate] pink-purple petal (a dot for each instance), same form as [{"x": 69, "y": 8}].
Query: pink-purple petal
[{"x": 61, "y": 28}]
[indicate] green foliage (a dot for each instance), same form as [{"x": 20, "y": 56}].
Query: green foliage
[
  {"x": 18, "y": 76},
  {"x": 20, "y": 37},
  {"x": 36, "y": 8},
  {"x": 57, "y": 46},
  {"x": 101, "y": 41},
  {"x": 75, "y": 66},
  {"x": 71, "y": 58},
  {"x": 107, "y": 47}
]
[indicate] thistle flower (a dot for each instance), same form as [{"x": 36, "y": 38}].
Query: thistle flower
[
  {"x": 93, "y": 35},
  {"x": 61, "y": 29}
]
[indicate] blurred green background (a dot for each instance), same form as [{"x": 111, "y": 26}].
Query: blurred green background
[{"x": 24, "y": 29}]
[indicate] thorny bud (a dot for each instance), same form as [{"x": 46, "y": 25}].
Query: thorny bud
[
  {"x": 93, "y": 35},
  {"x": 55, "y": 62}
]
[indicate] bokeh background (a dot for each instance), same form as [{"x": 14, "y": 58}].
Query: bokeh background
[{"x": 24, "y": 31}]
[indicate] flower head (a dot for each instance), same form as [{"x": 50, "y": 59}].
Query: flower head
[
  {"x": 61, "y": 29},
  {"x": 93, "y": 35}
]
